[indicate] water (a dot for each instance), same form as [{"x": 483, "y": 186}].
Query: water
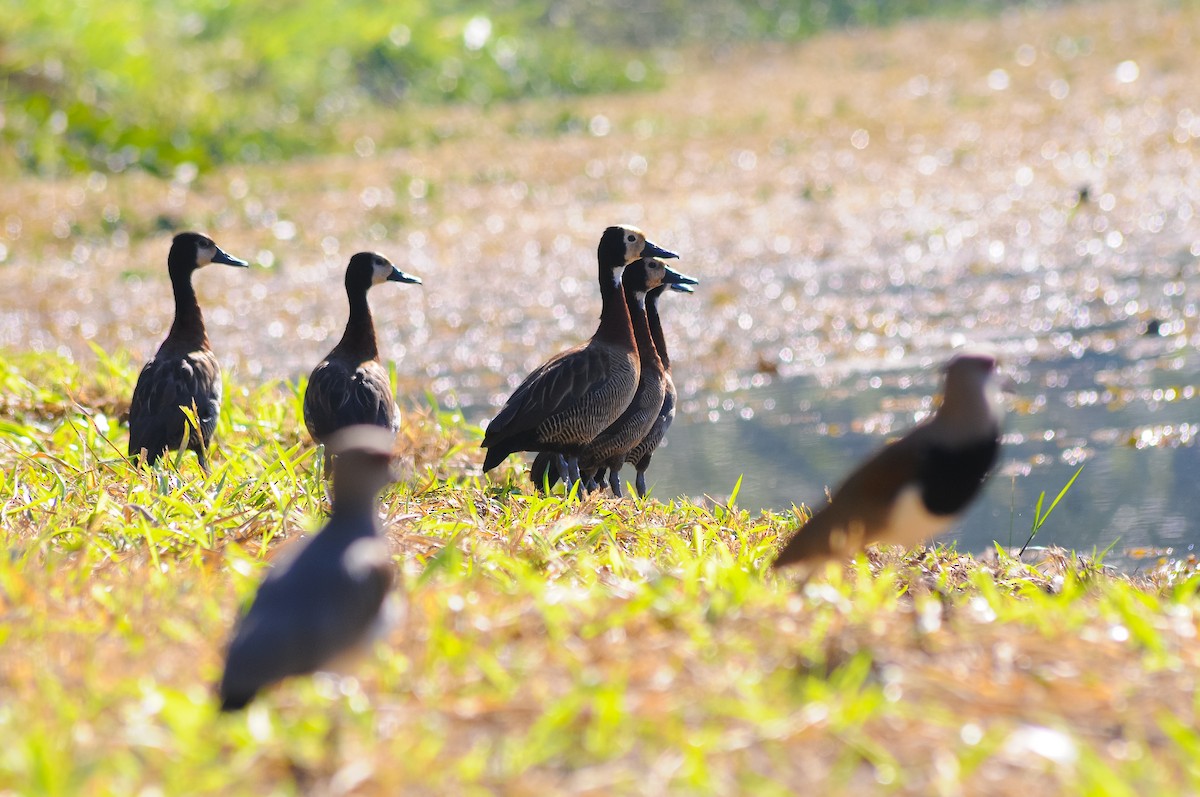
[{"x": 1129, "y": 418}]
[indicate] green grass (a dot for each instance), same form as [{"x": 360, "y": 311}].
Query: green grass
[
  {"x": 545, "y": 646},
  {"x": 159, "y": 86}
]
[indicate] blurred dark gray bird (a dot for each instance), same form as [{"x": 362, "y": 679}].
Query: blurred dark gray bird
[
  {"x": 184, "y": 371},
  {"x": 351, "y": 386},
  {"x": 327, "y": 600},
  {"x": 913, "y": 489},
  {"x": 606, "y": 452},
  {"x": 574, "y": 396}
]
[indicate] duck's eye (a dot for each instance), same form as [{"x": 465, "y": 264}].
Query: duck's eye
[{"x": 631, "y": 238}]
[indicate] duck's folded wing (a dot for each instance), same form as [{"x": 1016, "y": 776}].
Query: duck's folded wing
[
  {"x": 554, "y": 387},
  {"x": 338, "y": 397},
  {"x": 162, "y": 388}
]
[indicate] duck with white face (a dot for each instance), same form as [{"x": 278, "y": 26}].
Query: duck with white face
[
  {"x": 641, "y": 454},
  {"x": 572, "y": 397},
  {"x": 608, "y": 450},
  {"x": 351, "y": 385},
  {"x": 184, "y": 372}
]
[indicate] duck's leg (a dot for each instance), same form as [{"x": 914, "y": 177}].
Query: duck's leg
[
  {"x": 639, "y": 484},
  {"x": 560, "y": 463},
  {"x": 614, "y": 481},
  {"x": 573, "y": 476}
]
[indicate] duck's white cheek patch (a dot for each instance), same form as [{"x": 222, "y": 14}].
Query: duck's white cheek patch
[
  {"x": 204, "y": 256},
  {"x": 380, "y": 273},
  {"x": 910, "y": 523}
]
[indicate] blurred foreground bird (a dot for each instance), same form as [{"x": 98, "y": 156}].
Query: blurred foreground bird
[
  {"x": 913, "y": 489},
  {"x": 351, "y": 386},
  {"x": 328, "y": 598},
  {"x": 184, "y": 373},
  {"x": 574, "y": 396}
]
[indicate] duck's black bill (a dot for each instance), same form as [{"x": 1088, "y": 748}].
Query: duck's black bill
[
  {"x": 399, "y": 276},
  {"x": 654, "y": 250},
  {"x": 679, "y": 286},
  {"x": 676, "y": 279},
  {"x": 226, "y": 259}
]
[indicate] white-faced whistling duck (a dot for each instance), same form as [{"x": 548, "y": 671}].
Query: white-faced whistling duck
[
  {"x": 641, "y": 454},
  {"x": 914, "y": 488},
  {"x": 183, "y": 372},
  {"x": 351, "y": 386},
  {"x": 328, "y": 598},
  {"x": 575, "y": 395},
  {"x": 607, "y": 451}
]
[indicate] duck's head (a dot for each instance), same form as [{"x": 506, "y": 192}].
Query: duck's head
[
  {"x": 969, "y": 370},
  {"x": 676, "y": 280},
  {"x": 649, "y": 273},
  {"x": 971, "y": 402},
  {"x": 362, "y": 461},
  {"x": 371, "y": 268},
  {"x": 193, "y": 250},
  {"x": 625, "y": 244}
]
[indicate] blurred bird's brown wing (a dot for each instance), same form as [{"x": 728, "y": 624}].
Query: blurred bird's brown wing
[{"x": 861, "y": 505}]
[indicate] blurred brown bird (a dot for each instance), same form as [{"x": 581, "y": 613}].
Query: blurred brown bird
[{"x": 913, "y": 489}]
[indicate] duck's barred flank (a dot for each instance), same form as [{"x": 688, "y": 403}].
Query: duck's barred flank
[{"x": 643, "y": 452}]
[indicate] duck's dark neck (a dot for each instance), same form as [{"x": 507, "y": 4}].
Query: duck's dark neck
[
  {"x": 641, "y": 330},
  {"x": 353, "y": 511},
  {"x": 359, "y": 337},
  {"x": 187, "y": 330},
  {"x": 615, "y": 324},
  {"x": 656, "y": 333}
]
